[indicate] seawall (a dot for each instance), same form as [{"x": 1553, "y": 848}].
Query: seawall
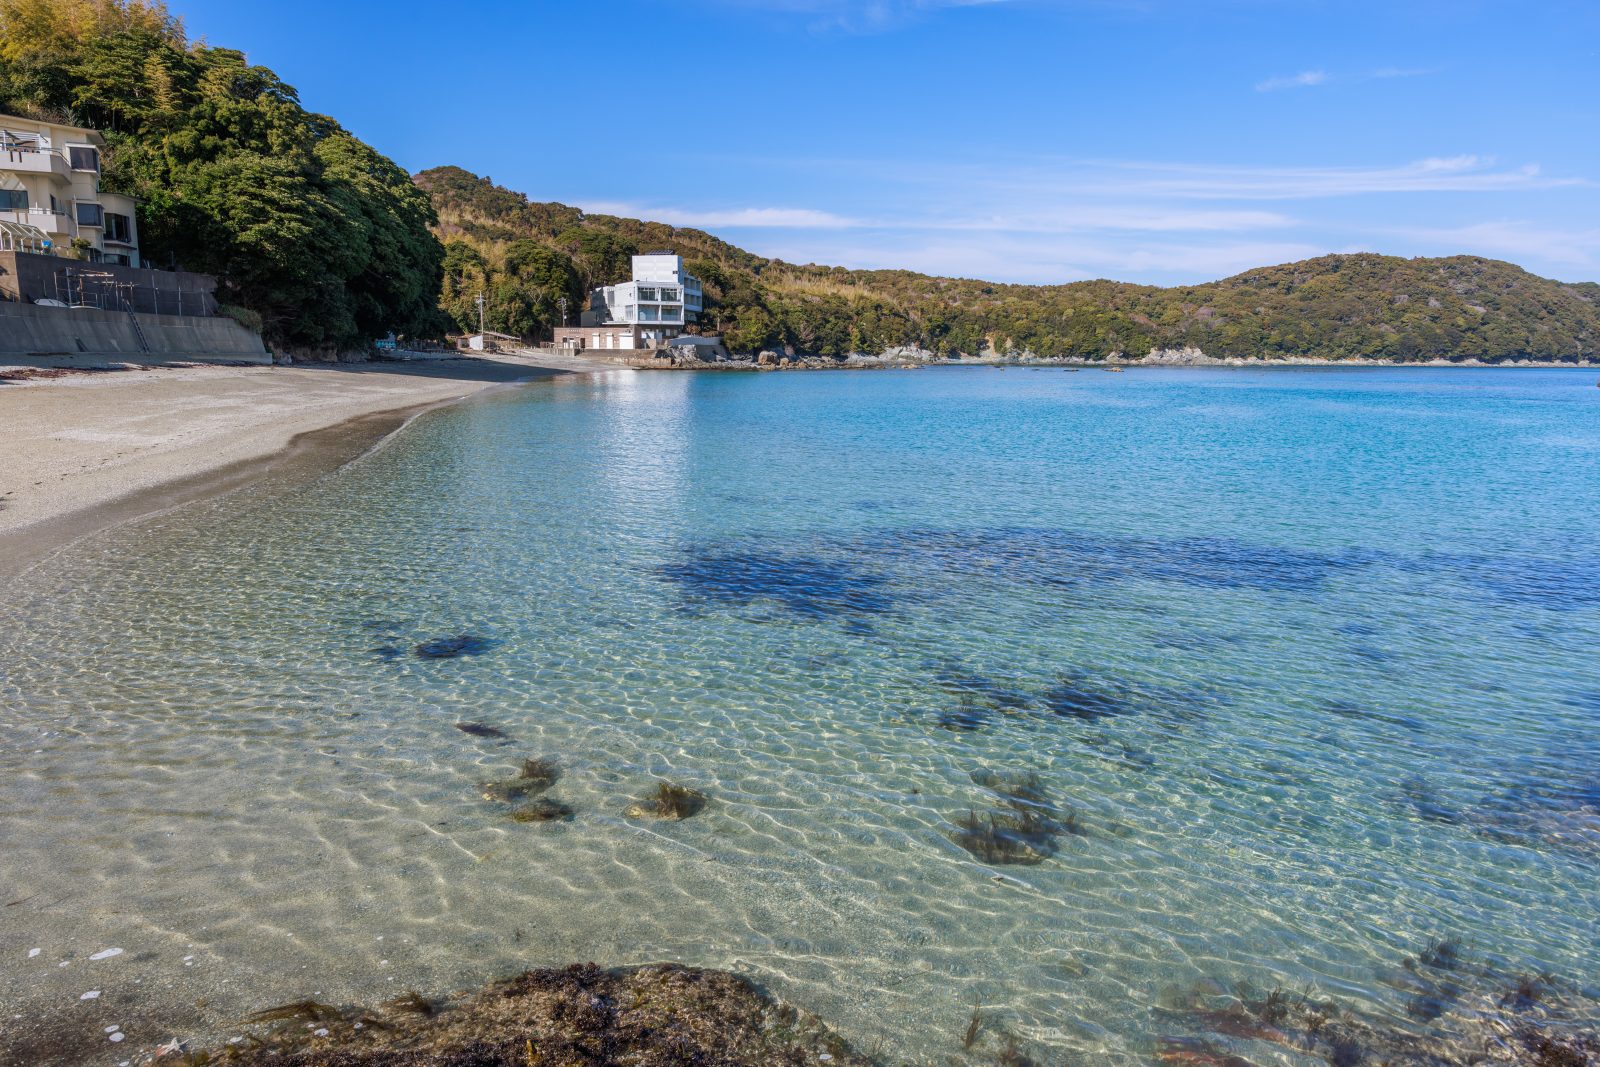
[{"x": 34, "y": 330}]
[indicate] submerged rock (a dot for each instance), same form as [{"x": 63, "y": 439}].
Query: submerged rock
[
  {"x": 478, "y": 729},
  {"x": 580, "y": 1016},
  {"x": 452, "y": 647}
]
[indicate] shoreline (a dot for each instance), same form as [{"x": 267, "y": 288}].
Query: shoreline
[
  {"x": 908, "y": 360},
  {"x": 90, "y": 452}
]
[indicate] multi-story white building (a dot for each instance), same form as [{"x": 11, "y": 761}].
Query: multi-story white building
[
  {"x": 654, "y": 306},
  {"x": 50, "y": 194}
]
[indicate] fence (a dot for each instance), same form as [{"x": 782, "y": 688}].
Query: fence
[{"x": 28, "y": 278}]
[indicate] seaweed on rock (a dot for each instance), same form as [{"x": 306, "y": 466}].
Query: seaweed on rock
[
  {"x": 541, "y": 769},
  {"x": 1474, "y": 1017},
  {"x": 410, "y": 1002},
  {"x": 1023, "y": 829},
  {"x": 298, "y": 1011},
  {"x": 542, "y": 810},
  {"x": 580, "y": 1016},
  {"x": 537, "y": 775},
  {"x": 668, "y": 801}
]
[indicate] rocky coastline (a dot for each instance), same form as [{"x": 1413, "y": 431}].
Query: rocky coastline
[{"x": 705, "y": 358}]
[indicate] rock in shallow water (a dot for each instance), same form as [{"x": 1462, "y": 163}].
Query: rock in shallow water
[{"x": 452, "y": 647}]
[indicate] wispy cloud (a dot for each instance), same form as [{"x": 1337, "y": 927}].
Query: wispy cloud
[
  {"x": 1386, "y": 73},
  {"x": 1036, "y": 219},
  {"x": 1304, "y": 80},
  {"x": 1520, "y": 240},
  {"x": 1059, "y": 220},
  {"x": 857, "y": 15},
  {"x": 1043, "y": 258},
  {"x": 1461, "y": 174},
  {"x": 1307, "y": 79},
  {"x": 778, "y": 218}
]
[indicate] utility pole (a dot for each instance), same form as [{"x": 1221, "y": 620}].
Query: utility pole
[
  {"x": 562, "y": 302},
  {"x": 479, "y": 302}
]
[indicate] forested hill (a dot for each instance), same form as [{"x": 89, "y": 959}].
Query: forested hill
[
  {"x": 527, "y": 255},
  {"x": 309, "y": 230}
]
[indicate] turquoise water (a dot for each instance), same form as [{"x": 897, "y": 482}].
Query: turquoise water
[{"x": 1310, "y": 655}]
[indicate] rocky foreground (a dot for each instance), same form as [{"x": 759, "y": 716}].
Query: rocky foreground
[{"x": 579, "y": 1016}]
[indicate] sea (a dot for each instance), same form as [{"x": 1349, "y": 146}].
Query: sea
[{"x": 1087, "y": 706}]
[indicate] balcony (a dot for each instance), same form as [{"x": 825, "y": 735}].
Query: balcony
[
  {"x": 23, "y": 160},
  {"x": 53, "y": 222}
]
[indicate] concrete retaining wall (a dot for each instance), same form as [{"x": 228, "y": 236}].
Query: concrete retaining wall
[
  {"x": 26, "y": 277},
  {"x": 32, "y": 330}
]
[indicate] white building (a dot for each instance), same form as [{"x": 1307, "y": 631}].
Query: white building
[
  {"x": 50, "y": 194},
  {"x": 657, "y": 304}
]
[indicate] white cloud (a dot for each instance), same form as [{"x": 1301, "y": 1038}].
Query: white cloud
[
  {"x": 1511, "y": 239},
  {"x": 1303, "y": 80},
  {"x": 737, "y": 218},
  {"x": 1056, "y": 221},
  {"x": 1044, "y": 258},
  {"x": 1466, "y": 173},
  {"x": 857, "y": 15},
  {"x": 1385, "y": 73}
]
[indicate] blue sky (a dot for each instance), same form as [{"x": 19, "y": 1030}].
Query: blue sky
[{"x": 1163, "y": 141}]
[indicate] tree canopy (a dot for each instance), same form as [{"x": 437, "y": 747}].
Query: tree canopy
[{"x": 322, "y": 236}]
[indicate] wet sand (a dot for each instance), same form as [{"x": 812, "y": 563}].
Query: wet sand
[{"x": 81, "y": 453}]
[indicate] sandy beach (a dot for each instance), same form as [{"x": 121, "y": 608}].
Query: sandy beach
[{"x": 87, "y": 451}]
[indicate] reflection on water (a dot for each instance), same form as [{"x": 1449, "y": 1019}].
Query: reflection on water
[{"x": 1108, "y": 703}]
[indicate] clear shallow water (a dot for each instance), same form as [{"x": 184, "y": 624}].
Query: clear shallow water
[{"x": 1309, "y": 652}]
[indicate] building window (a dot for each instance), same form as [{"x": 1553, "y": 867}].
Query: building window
[
  {"x": 647, "y": 294},
  {"x": 669, "y": 294},
  {"x": 119, "y": 259},
  {"x": 119, "y": 228},
  {"x": 84, "y": 159},
  {"x": 91, "y": 215},
  {"x": 13, "y": 199}
]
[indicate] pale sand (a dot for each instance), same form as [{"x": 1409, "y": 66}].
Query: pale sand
[{"x": 85, "y": 452}]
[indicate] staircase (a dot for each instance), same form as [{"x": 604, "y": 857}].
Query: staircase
[{"x": 138, "y": 331}]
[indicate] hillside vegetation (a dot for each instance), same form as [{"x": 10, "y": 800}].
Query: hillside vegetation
[
  {"x": 528, "y": 255},
  {"x": 314, "y": 231}
]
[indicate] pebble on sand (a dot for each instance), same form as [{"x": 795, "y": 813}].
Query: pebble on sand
[
  {"x": 106, "y": 953},
  {"x": 32, "y": 952},
  {"x": 93, "y": 994}
]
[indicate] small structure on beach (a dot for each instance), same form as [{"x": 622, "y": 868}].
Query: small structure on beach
[{"x": 489, "y": 341}]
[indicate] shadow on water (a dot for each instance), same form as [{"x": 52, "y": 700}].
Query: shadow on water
[
  {"x": 1548, "y": 801},
  {"x": 1554, "y": 584},
  {"x": 1347, "y": 709},
  {"x": 806, "y": 586},
  {"x": 1068, "y": 558},
  {"x": 1093, "y": 696}
]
